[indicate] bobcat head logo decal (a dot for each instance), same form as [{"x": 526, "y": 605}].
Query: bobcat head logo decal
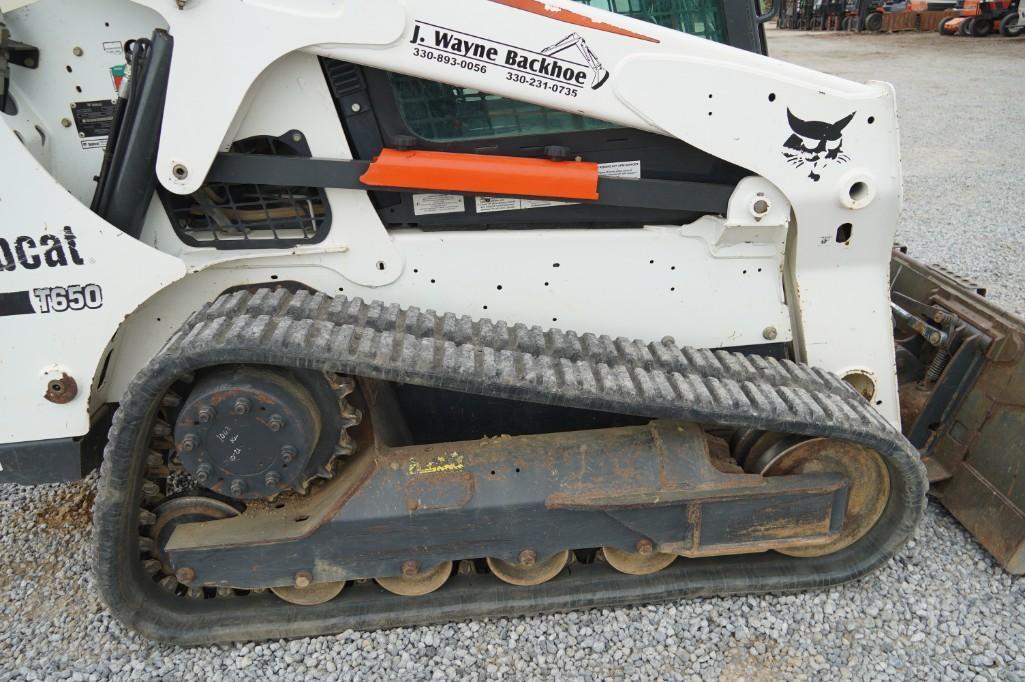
[{"x": 815, "y": 144}]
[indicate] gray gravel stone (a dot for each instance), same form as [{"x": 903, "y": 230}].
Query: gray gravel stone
[{"x": 941, "y": 609}]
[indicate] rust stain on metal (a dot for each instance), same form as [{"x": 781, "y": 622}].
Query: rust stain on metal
[
  {"x": 61, "y": 391},
  {"x": 447, "y": 490}
]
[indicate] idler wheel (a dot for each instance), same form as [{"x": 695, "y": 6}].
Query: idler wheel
[
  {"x": 864, "y": 468},
  {"x": 529, "y": 571},
  {"x": 179, "y": 510}
]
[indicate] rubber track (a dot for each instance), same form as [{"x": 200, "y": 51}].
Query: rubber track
[
  {"x": 553, "y": 343},
  {"x": 659, "y": 380}
]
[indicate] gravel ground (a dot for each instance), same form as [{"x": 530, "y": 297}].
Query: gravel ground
[{"x": 941, "y": 609}]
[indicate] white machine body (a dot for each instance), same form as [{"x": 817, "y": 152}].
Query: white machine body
[{"x": 801, "y": 256}]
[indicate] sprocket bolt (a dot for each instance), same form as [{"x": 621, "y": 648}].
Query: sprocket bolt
[
  {"x": 410, "y": 568},
  {"x": 272, "y": 479},
  {"x": 276, "y": 422},
  {"x": 528, "y": 557},
  {"x": 238, "y": 487},
  {"x": 241, "y": 406},
  {"x": 645, "y": 547},
  {"x": 206, "y": 414},
  {"x": 203, "y": 472},
  {"x": 189, "y": 442},
  {"x": 303, "y": 579},
  {"x": 288, "y": 454}
]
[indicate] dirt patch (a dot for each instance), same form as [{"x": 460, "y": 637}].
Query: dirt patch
[{"x": 69, "y": 509}]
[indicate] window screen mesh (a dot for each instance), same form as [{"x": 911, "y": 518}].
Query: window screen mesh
[{"x": 444, "y": 113}]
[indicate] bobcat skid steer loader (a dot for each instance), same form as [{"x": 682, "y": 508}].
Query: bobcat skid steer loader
[{"x": 391, "y": 312}]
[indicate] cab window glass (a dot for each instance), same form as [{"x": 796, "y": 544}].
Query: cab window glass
[{"x": 445, "y": 113}]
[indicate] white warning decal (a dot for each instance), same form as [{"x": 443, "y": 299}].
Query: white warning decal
[
  {"x": 435, "y": 204},
  {"x": 616, "y": 169}
]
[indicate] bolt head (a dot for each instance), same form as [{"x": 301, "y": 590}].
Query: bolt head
[
  {"x": 303, "y": 579},
  {"x": 356, "y": 108},
  {"x": 297, "y": 137},
  {"x": 410, "y": 569},
  {"x": 241, "y": 406},
  {"x": 206, "y": 414},
  {"x": 272, "y": 478},
  {"x": 203, "y": 473},
  {"x": 66, "y": 122},
  {"x": 238, "y": 486},
  {"x": 528, "y": 557},
  {"x": 190, "y": 442},
  {"x": 770, "y": 334},
  {"x": 78, "y": 52},
  {"x": 760, "y": 207},
  {"x": 288, "y": 454},
  {"x": 645, "y": 547},
  {"x": 185, "y": 575},
  {"x": 276, "y": 422}
]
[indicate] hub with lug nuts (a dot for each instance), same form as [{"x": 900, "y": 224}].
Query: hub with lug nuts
[{"x": 252, "y": 433}]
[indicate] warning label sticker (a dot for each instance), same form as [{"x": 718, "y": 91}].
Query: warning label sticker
[
  {"x": 617, "y": 169},
  {"x": 434, "y": 204},
  {"x": 93, "y": 121},
  {"x": 620, "y": 169},
  {"x": 494, "y": 204}
]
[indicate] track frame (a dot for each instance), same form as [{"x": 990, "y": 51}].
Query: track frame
[{"x": 307, "y": 331}]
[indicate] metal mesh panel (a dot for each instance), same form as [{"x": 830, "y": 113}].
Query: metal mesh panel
[
  {"x": 443, "y": 113},
  {"x": 225, "y": 215}
]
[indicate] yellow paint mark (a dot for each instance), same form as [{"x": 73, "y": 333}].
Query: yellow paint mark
[{"x": 440, "y": 464}]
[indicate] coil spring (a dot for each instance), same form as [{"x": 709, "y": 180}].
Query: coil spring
[{"x": 938, "y": 364}]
